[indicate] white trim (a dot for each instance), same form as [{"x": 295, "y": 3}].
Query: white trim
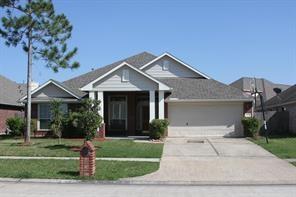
[
  {"x": 89, "y": 86},
  {"x": 177, "y": 60},
  {"x": 176, "y": 100},
  {"x": 47, "y": 83}
]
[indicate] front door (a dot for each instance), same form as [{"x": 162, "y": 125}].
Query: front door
[{"x": 117, "y": 115}]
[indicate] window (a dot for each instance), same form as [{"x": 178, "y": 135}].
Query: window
[
  {"x": 45, "y": 116},
  {"x": 166, "y": 65},
  {"x": 125, "y": 75}
]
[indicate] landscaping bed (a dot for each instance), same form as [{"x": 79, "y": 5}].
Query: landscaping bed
[
  {"x": 70, "y": 148},
  {"x": 68, "y": 169},
  {"x": 282, "y": 147}
]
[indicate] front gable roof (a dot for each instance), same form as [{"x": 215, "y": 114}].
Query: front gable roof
[
  {"x": 82, "y": 80},
  {"x": 89, "y": 86},
  {"x": 177, "y": 60},
  {"x": 63, "y": 87}
]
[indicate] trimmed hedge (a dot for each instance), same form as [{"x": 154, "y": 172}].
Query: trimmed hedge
[
  {"x": 157, "y": 128},
  {"x": 251, "y": 126}
]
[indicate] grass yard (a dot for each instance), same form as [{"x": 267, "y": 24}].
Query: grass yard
[
  {"x": 68, "y": 169},
  {"x": 283, "y": 147},
  {"x": 294, "y": 163},
  {"x": 70, "y": 148}
]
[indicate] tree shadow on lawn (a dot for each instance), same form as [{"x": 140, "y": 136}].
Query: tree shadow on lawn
[
  {"x": 63, "y": 146},
  {"x": 66, "y": 147},
  {"x": 69, "y": 173}
]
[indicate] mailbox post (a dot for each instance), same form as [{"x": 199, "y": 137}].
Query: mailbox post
[{"x": 87, "y": 159}]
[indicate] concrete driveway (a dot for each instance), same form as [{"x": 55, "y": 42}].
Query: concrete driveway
[{"x": 221, "y": 161}]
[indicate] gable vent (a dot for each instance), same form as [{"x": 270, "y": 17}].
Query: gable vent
[{"x": 165, "y": 65}]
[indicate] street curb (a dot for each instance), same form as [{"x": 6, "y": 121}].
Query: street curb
[{"x": 136, "y": 182}]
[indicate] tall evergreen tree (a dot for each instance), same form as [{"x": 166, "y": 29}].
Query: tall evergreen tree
[{"x": 43, "y": 35}]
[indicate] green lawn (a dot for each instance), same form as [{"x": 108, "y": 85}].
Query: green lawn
[
  {"x": 283, "y": 147},
  {"x": 68, "y": 169},
  {"x": 70, "y": 148},
  {"x": 294, "y": 163}
]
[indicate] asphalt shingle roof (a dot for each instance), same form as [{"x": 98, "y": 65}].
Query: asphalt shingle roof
[
  {"x": 136, "y": 61},
  {"x": 191, "y": 88},
  {"x": 263, "y": 85},
  {"x": 286, "y": 96},
  {"x": 11, "y": 92}
]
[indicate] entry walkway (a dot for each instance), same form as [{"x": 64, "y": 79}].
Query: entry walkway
[{"x": 220, "y": 160}]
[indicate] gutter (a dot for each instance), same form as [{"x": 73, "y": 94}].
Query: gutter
[
  {"x": 176, "y": 100},
  {"x": 280, "y": 105}
]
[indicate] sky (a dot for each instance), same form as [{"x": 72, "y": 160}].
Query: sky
[{"x": 226, "y": 40}]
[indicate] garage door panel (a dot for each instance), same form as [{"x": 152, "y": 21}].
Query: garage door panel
[{"x": 195, "y": 119}]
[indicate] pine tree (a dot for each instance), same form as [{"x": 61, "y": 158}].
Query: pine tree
[{"x": 43, "y": 35}]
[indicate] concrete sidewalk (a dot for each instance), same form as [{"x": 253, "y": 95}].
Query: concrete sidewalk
[
  {"x": 77, "y": 158},
  {"x": 220, "y": 160}
]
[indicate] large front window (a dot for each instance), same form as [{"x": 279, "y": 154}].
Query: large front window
[{"x": 44, "y": 115}]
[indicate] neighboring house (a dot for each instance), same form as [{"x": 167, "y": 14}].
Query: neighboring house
[
  {"x": 264, "y": 86},
  {"x": 10, "y": 93},
  {"x": 138, "y": 89},
  {"x": 285, "y": 102}
]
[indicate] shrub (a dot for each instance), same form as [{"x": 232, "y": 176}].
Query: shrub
[
  {"x": 71, "y": 127},
  {"x": 16, "y": 125},
  {"x": 251, "y": 126},
  {"x": 157, "y": 128}
]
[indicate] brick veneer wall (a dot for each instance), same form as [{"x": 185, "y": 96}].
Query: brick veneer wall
[{"x": 8, "y": 112}]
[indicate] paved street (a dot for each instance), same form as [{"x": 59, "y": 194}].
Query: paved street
[
  {"x": 220, "y": 160},
  {"x": 87, "y": 190}
]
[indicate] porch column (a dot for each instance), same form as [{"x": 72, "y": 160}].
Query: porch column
[
  {"x": 161, "y": 104},
  {"x": 151, "y": 105},
  {"x": 101, "y": 98},
  {"x": 91, "y": 95}
]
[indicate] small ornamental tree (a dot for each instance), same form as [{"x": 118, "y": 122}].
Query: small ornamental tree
[
  {"x": 56, "y": 119},
  {"x": 89, "y": 118},
  {"x": 43, "y": 35}
]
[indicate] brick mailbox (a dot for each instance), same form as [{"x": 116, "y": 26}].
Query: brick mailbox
[{"x": 87, "y": 159}]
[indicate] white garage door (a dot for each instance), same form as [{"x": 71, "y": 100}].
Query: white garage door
[{"x": 205, "y": 119}]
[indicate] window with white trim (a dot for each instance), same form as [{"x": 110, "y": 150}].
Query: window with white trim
[
  {"x": 165, "y": 65},
  {"x": 125, "y": 75},
  {"x": 44, "y": 114}
]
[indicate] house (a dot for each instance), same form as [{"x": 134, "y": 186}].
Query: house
[
  {"x": 264, "y": 86},
  {"x": 285, "y": 102},
  {"x": 10, "y": 93},
  {"x": 140, "y": 88}
]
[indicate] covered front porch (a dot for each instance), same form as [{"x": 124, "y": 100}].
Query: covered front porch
[{"x": 128, "y": 113}]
